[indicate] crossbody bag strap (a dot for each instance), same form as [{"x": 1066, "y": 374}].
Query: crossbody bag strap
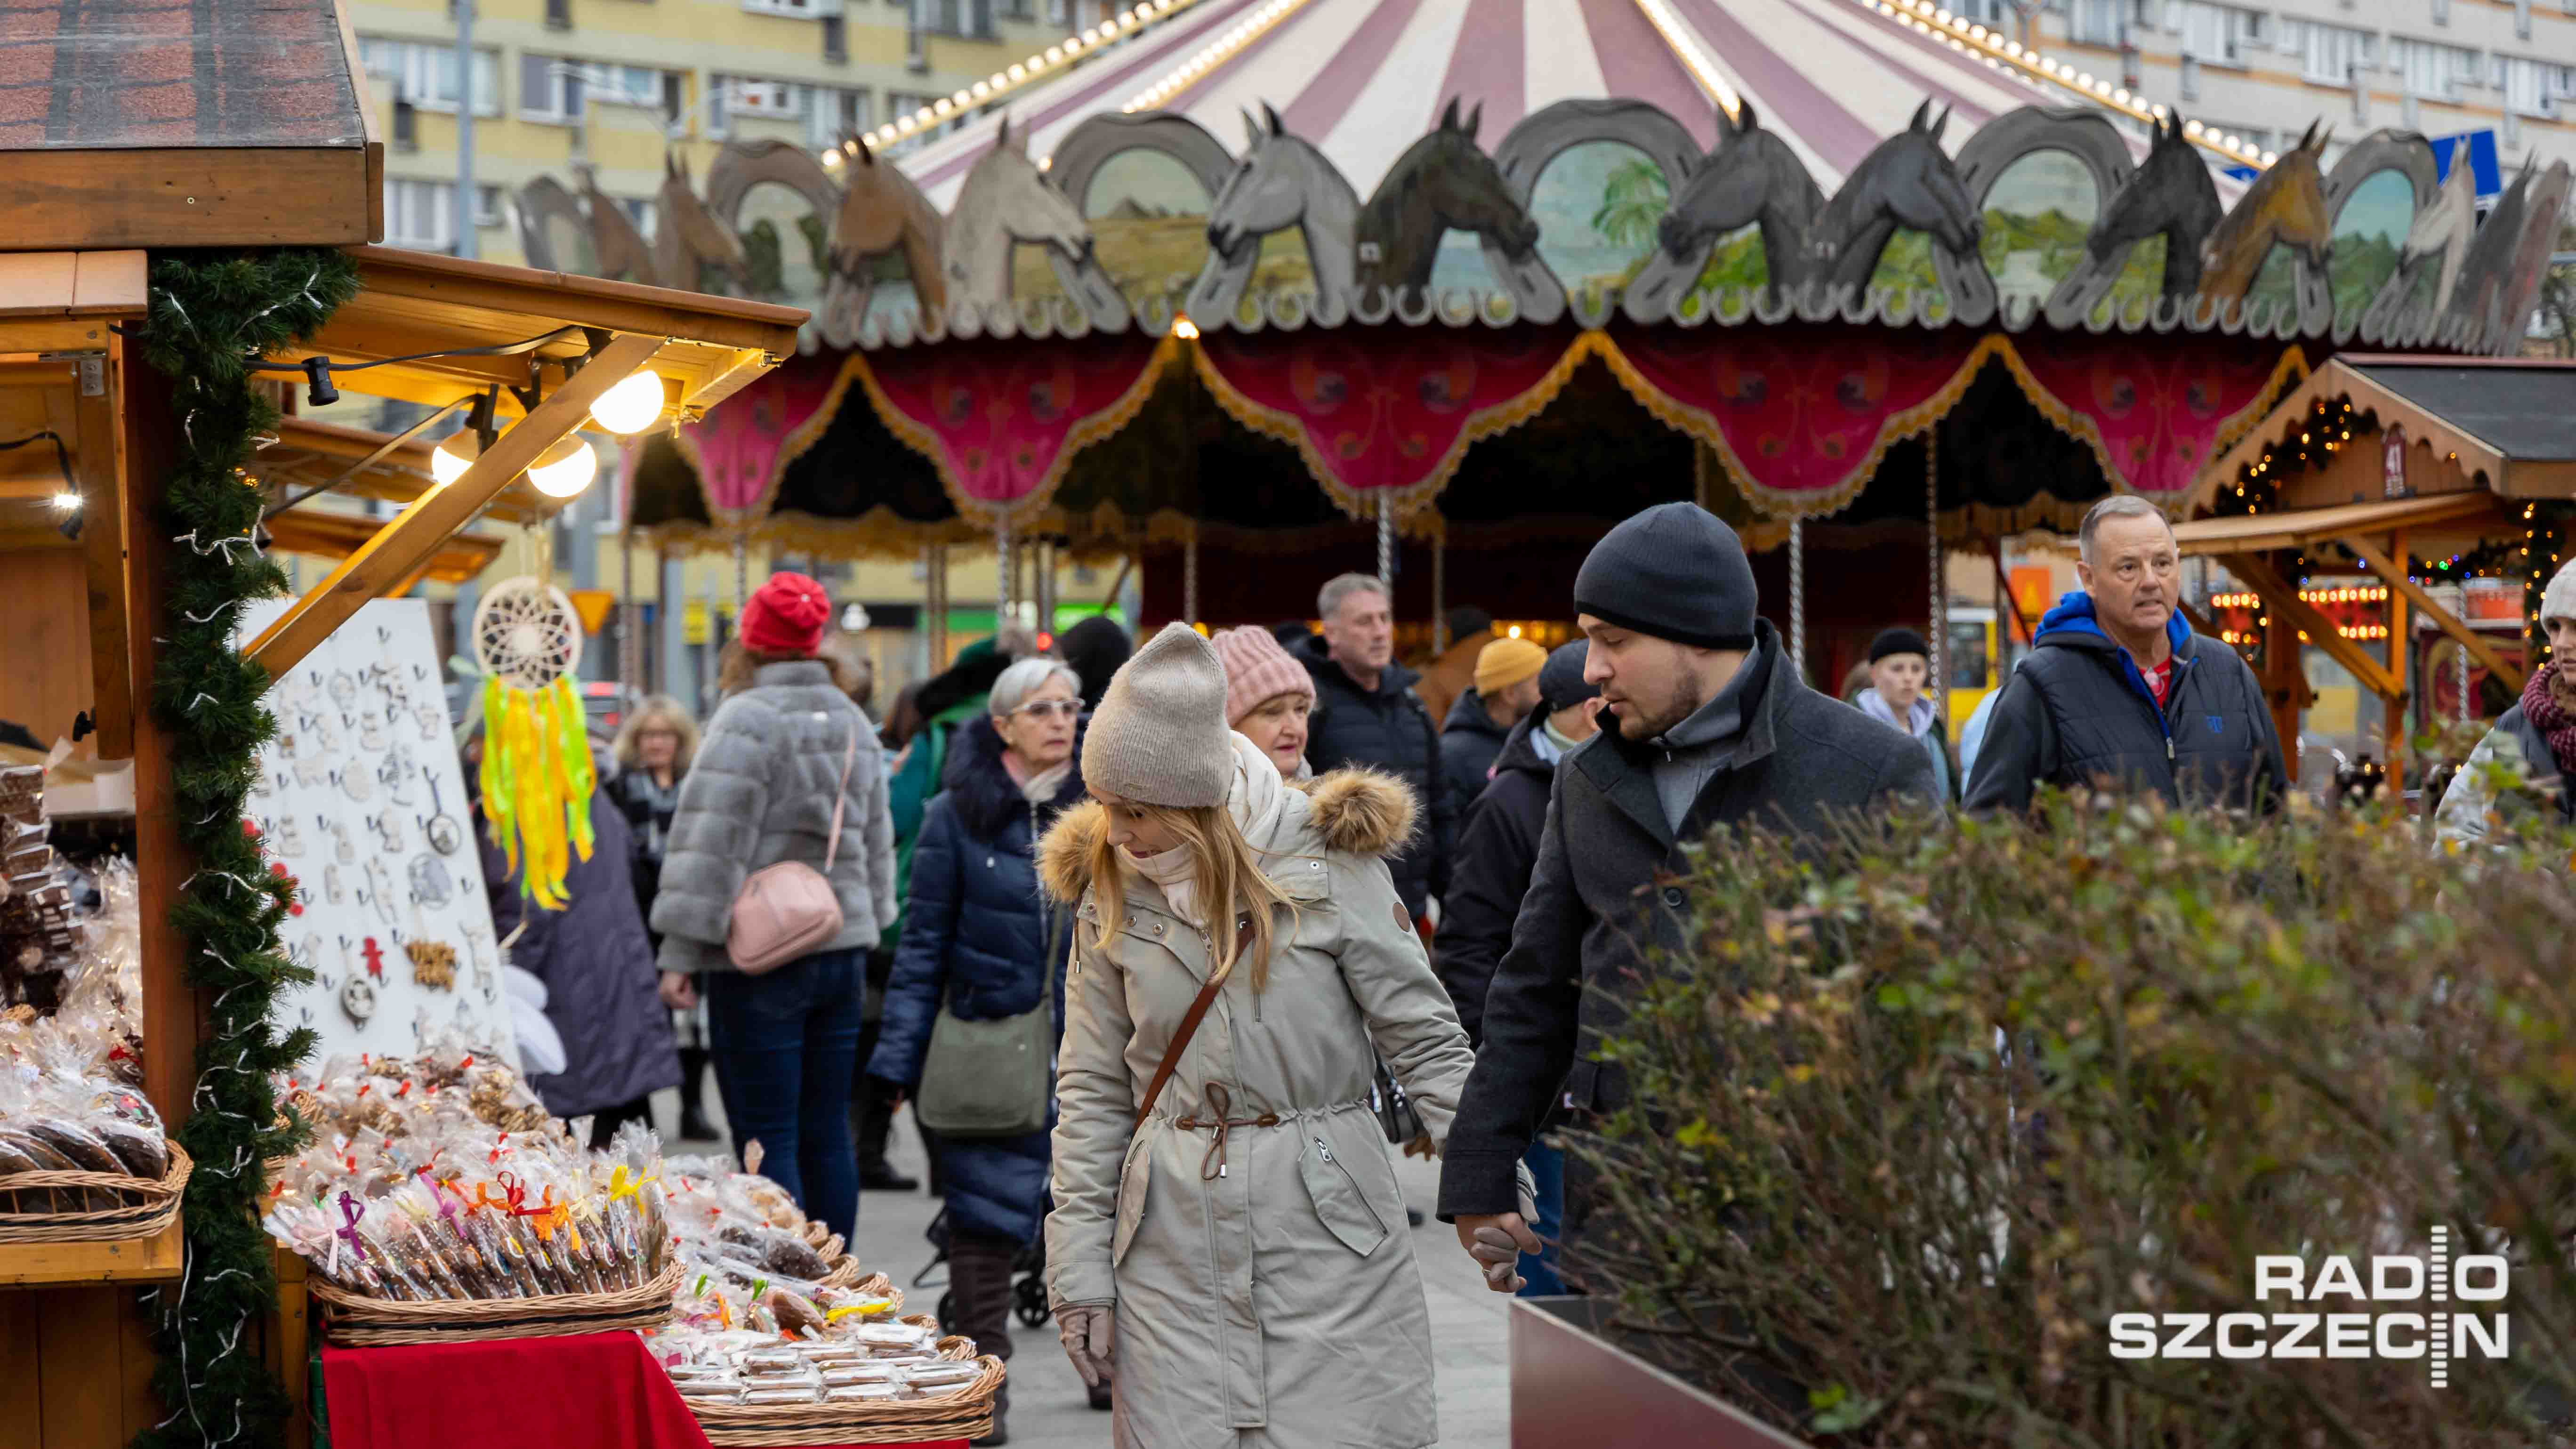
[
  {"x": 1190, "y": 1023},
  {"x": 841, "y": 800}
]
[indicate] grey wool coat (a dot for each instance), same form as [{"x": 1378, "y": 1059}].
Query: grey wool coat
[
  {"x": 760, "y": 792},
  {"x": 1273, "y": 1303}
]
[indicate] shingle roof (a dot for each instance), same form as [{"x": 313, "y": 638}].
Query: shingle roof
[{"x": 97, "y": 74}]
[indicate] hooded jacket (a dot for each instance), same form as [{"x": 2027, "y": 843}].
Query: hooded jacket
[
  {"x": 980, "y": 939},
  {"x": 1492, "y": 872},
  {"x": 1265, "y": 1281},
  {"x": 1595, "y": 912},
  {"x": 1469, "y": 741},
  {"x": 2472, "y": 803},
  {"x": 2077, "y": 712},
  {"x": 1385, "y": 729}
]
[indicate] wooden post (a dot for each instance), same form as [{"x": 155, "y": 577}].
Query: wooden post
[
  {"x": 2401, "y": 657},
  {"x": 98, "y": 456}
]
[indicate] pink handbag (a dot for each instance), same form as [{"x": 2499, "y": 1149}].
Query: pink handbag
[{"x": 786, "y": 910}]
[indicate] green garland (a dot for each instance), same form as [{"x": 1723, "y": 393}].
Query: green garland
[{"x": 211, "y": 315}]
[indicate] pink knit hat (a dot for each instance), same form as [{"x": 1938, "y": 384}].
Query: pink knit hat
[{"x": 1255, "y": 669}]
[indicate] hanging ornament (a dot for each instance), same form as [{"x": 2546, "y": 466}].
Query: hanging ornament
[
  {"x": 431, "y": 885},
  {"x": 537, "y": 774},
  {"x": 358, "y": 999}
]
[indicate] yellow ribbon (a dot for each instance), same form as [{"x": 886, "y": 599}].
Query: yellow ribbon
[
  {"x": 879, "y": 1305},
  {"x": 619, "y": 1187}
]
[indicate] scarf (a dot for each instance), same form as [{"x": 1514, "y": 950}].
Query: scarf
[
  {"x": 1917, "y": 719},
  {"x": 2550, "y": 714},
  {"x": 1255, "y": 800}
]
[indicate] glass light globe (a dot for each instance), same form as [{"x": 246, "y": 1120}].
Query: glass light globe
[
  {"x": 565, "y": 469},
  {"x": 449, "y": 460},
  {"x": 632, "y": 405}
]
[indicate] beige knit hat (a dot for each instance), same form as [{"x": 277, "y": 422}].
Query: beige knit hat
[
  {"x": 1159, "y": 736},
  {"x": 2558, "y": 601}
]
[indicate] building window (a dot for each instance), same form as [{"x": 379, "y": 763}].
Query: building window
[
  {"x": 2533, "y": 87},
  {"x": 639, "y": 210},
  {"x": 559, "y": 14},
  {"x": 628, "y": 85},
  {"x": 2327, "y": 54},
  {"x": 801, "y": 8},
  {"x": 968, "y": 19},
  {"x": 2094, "y": 22},
  {"x": 1989, "y": 12},
  {"x": 1015, "y": 9},
  {"x": 834, "y": 113},
  {"x": 2220, "y": 34},
  {"x": 1059, "y": 12},
  {"x": 2431, "y": 69},
  {"x": 425, "y": 75},
  {"x": 487, "y": 206},
  {"x": 836, "y": 40},
  {"x": 420, "y": 215},
  {"x": 550, "y": 88}
]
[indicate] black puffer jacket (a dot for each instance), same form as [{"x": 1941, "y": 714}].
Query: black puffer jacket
[
  {"x": 1469, "y": 741},
  {"x": 1496, "y": 849},
  {"x": 2077, "y": 712},
  {"x": 1385, "y": 729}
]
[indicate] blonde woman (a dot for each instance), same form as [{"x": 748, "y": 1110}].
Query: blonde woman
[
  {"x": 1228, "y": 1239},
  {"x": 653, "y": 751}
]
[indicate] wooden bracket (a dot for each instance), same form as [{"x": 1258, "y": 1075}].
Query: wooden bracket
[
  {"x": 2470, "y": 639},
  {"x": 406, "y": 544},
  {"x": 2284, "y": 599}
]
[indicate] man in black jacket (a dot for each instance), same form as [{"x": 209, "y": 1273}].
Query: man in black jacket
[
  {"x": 1712, "y": 728},
  {"x": 2117, "y": 690},
  {"x": 1366, "y": 714},
  {"x": 1505, "y": 691}
]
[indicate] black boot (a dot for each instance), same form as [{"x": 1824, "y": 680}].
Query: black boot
[
  {"x": 1001, "y": 1410},
  {"x": 979, "y": 1280},
  {"x": 1100, "y": 1394},
  {"x": 872, "y": 1118},
  {"x": 694, "y": 1125}
]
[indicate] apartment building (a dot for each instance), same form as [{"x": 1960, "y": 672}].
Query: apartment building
[
  {"x": 2263, "y": 72},
  {"x": 614, "y": 84}
]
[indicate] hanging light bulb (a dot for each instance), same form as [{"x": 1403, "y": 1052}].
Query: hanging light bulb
[
  {"x": 632, "y": 405},
  {"x": 449, "y": 460},
  {"x": 565, "y": 469}
]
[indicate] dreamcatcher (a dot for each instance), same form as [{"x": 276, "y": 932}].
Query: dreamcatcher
[{"x": 537, "y": 775}]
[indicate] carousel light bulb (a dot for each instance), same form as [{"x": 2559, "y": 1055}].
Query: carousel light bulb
[
  {"x": 456, "y": 453},
  {"x": 634, "y": 404},
  {"x": 565, "y": 469}
]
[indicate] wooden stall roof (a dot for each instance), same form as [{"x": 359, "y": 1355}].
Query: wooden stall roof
[
  {"x": 2262, "y": 532},
  {"x": 149, "y": 123},
  {"x": 332, "y": 533},
  {"x": 414, "y": 302},
  {"x": 309, "y": 452},
  {"x": 63, "y": 301},
  {"x": 2509, "y": 420}
]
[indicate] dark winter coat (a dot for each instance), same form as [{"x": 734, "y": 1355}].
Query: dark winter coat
[
  {"x": 1496, "y": 849},
  {"x": 601, "y": 992},
  {"x": 649, "y": 812},
  {"x": 978, "y": 937},
  {"x": 2077, "y": 712},
  {"x": 2471, "y": 804},
  {"x": 1386, "y": 729},
  {"x": 1589, "y": 921},
  {"x": 1469, "y": 741}
]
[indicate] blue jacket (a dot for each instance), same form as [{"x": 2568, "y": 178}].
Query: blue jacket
[
  {"x": 2078, "y": 713},
  {"x": 976, "y": 937}
]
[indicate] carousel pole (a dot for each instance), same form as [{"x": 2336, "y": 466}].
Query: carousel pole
[
  {"x": 1190, "y": 576},
  {"x": 934, "y": 562},
  {"x": 1940, "y": 603},
  {"x": 1044, "y": 584},
  {"x": 1798, "y": 596},
  {"x": 1006, "y": 569},
  {"x": 1386, "y": 548},
  {"x": 1439, "y": 595},
  {"x": 626, "y": 660},
  {"x": 2468, "y": 711}
]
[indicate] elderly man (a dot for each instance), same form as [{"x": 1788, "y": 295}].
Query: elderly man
[
  {"x": 2118, "y": 691},
  {"x": 1706, "y": 726},
  {"x": 1366, "y": 714}
]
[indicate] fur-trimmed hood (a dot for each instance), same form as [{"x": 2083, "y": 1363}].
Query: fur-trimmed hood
[{"x": 1350, "y": 812}]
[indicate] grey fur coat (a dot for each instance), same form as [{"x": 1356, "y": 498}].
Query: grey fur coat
[{"x": 760, "y": 792}]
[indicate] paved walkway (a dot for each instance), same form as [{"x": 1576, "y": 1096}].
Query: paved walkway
[{"x": 1048, "y": 1409}]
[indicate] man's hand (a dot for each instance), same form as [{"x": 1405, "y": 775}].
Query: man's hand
[
  {"x": 679, "y": 991},
  {"x": 1496, "y": 1241}
]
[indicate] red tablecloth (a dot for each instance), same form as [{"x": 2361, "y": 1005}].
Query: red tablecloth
[{"x": 594, "y": 1391}]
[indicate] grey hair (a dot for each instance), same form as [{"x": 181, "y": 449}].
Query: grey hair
[
  {"x": 1342, "y": 586},
  {"x": 2118, "y": 505},
  {"x": 1026, "y": 678}
]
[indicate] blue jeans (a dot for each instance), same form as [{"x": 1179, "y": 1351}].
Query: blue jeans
[
  {"x": 786, "y": 1046},
  {"x": 1538, "y": 1270}
]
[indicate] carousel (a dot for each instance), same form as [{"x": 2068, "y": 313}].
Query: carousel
[{"x": 1447, "y": 289}]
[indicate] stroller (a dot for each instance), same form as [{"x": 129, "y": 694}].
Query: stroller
[{"x": 1028, "y": 1277}]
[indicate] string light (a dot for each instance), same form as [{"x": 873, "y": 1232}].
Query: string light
[
  {"x": 1212, "y": 55},
  {"x": 1026, "y": 71}
]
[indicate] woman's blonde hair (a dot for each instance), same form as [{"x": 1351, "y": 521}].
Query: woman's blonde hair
[
  {"x": 1227, "y": 869},
  {"x": 664, "y": 711}
]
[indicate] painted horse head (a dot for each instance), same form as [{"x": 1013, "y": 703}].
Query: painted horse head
[
  {"x": 2169, "y": 195},
  {"x": 2286, "y": 206},
  {"x": 1269, "y": 189},
  {"x": 873, "y": 209},
  {"x": 1461, "y": 184},
  {"x": 699, "y": 235},
  {"x": 1751, "y": 175},
  {"x": 1007, "y": 188},
  {"x": 1920, "y": 186}
]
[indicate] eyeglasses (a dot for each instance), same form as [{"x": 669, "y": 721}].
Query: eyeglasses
[{"x": 1043, "y": 708}]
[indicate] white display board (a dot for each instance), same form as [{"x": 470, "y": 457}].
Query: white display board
[{"x": 362, "y": 797}]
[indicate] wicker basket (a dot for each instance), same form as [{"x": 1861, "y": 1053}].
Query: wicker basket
[
  {"x": 354, "y": 1321},
  {"x": 964, "y": 1414},
  {"x": 145, "y": 1206}
]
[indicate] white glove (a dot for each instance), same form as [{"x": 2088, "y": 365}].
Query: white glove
[{"x": 1090, "y": 1335}]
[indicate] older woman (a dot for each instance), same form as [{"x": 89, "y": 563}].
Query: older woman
[
  {"x": 1228, "y": 1237},
  {"x": 1268, "y": 696},
  {"x": 981, "y": 943},
  {"x": 788, "y": 761},
  {"x": 653, "y": 751}
]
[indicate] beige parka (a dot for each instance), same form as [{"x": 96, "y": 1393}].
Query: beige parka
[{"x": 1266, "y": 1294}]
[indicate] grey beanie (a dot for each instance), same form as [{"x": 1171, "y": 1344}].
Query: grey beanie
[
  {"x": 1159, "y": 736},
  {"x": 2558, "y": 601},
  {"x": 1675, "y": 571},
  {"x": 1561, "y": 684}
]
